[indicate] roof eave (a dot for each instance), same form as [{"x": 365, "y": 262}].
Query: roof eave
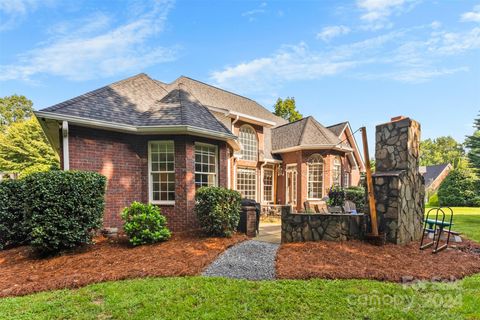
[
  {"x": 170, "y": 129},
  {"x": 314, "y": 147}
]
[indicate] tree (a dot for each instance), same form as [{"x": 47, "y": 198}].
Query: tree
[
  {"x": 24, "y": 148},
  {"x": 14, "y": 108},
  {"x": 287, "y": 109},
  {"x": 473, "y": 143},
  {"x": 459, "y": 189},
  {"x": 441, "y": 150}
]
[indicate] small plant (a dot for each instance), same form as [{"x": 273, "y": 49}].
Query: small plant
[
  {"x": 218, "y": 210},
  {"x": 144, "y": 224},
  {"x": 336, "y": 197}
]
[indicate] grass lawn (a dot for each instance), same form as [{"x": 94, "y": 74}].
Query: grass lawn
[
  {"x": 217, "y": 298},
  {"x": 466, "y": 221}
]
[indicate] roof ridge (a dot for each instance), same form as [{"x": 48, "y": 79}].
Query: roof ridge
[
  {"x": 303, "y": 130},
  {"x": 289, "y": 123},
  {"x": 319, "y": 128},
  {"x": 337, "y": 124},
  {"x": 88, "y": 94}
]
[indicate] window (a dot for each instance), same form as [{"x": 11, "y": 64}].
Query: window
[
  {"x": 337, "y": 171},
  {"x": 162, "y": 172},
  {"x": 267, "y": 185},
  {"x": 247, "y": 182},
  {"x": 346, "y": 180},
  {"x": 205, "y": 165},
  {"x": 315, "y": 176},
  {"x": 248, "y": 140}
]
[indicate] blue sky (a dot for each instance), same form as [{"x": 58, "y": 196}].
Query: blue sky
[{"x": 359, "y": 60}]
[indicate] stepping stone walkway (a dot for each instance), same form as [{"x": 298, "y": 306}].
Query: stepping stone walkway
[{"x": 252, "y": 260}]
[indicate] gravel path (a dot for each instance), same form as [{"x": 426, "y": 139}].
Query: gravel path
[{"x": 253, "y": 260}]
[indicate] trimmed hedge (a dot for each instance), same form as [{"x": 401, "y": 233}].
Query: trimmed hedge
[
  {"x": 144, "y": 224},
  {"x": 63, "y": 208},
  {"x": 12, "y": 214},
  {"x": 218, "y": 210},
  {"x": 358, "y": 196}
]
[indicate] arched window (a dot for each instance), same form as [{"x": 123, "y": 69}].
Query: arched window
[
  {"x": 248, "y": 140},
  {"x": 337, "y": 171},
  {"x": 315, "y": 176}
]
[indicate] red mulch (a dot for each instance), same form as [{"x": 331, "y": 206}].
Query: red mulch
[
  {"x": 359, "y": 260},
  {"x": 106, "y": 260}
]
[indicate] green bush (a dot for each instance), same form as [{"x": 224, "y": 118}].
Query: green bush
[
  {"x": 459, "y": 189},
  {"x": 336, "y": 197},
  {"x": 144, "y": 224},
  {"x": 63, "y": 208},
  {"x": 358, "y": 196},
  {"x": 218, "y": 210},
  {"x": 433, "y": 201},
  {"x": 13, "y": 230}
]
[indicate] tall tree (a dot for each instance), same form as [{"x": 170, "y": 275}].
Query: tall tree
[
  {"x": 14, "y": 108},
  {"x": 441, "y": 150},
  {"x": 287, "y": 109},
  {"x": 24, "y": 148},
  {"x": 473, "y": 143}
]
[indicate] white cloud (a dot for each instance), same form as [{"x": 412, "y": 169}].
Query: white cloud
[
  {"x": 331, "y": 32},
  {"x": 410, "y": 55},
  {"x": 92, "y": 52},
  {"x": 376, "y": 13},
  {"x": 251, "y": 14},
  {"x": 471, "y": 16},
  {"x": 12, "y": 12}
]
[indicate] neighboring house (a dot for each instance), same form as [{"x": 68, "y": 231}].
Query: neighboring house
[
  {"x": 434, "y": 176},
  {"x": 158, "y": 142}
]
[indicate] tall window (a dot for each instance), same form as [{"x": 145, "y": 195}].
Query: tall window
[
  {"x": 205, "y": 165},
  {"x": 247, "y": 182},
  {"x": 337, "y": 171},
  {"x": 346, "y": 180},
  {"x": 315, "y": 176},
  {"x": 248, "y": 140},
  {"x": 267, "y": 185},
  {"x": 162, "y": 172}
]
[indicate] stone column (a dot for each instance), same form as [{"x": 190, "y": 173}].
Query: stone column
[{"x": 399, "y": 186}]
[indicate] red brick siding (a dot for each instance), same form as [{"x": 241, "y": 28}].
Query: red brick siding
[{"x": 123, "y": 159}]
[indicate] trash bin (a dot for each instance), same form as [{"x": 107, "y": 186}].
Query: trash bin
[{"x": 242, "y": 225}]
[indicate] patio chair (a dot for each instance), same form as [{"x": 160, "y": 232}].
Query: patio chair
[{"x": 349, "y": 206}]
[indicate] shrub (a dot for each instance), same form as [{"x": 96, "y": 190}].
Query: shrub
[
  {"x": 144, "y": 224},
  {"x": 218, "y": 210},
  {"x": 13, "y": 230},
  {"x": 358, "y": 196},
  {"x": 336, "y": 197},
  {"x": 63, "y": 208},
  {"x": 459, "y": 189},
  {"x": 433, "y": 200}
]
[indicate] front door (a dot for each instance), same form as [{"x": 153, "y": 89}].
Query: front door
[{"x": 291, "y": 185}]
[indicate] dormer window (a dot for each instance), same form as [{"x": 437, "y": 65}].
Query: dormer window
[{"x": 248, "y": 139}]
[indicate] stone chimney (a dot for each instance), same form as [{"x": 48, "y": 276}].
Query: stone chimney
[{"x": 399, "y": 186}]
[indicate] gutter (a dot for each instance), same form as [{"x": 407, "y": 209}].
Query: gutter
[
  {"x": 166, "y": 129},
  {"x": 314, "y": 146}
]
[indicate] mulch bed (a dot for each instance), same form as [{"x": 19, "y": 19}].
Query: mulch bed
[
  {"x": 106, "y": 260},
  {"x": 359, "y": 260}
]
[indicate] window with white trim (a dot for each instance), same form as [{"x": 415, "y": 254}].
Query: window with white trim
[
  {"x": 337, "y": 171},
  {"x": 315, "y": 177},
  {"x": 268, "y": 185},
  {"x": 162, "y": 172},
  {"x": 205, "y": 165},
  {"x": 346, "y": 179},
  {"x": 247, "y": 182},
  {"x": 248, "y": 140}
]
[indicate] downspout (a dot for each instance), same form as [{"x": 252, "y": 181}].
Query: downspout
[
  {"x": 66, "y": 158},
  {"x": 234, "y": 186}
]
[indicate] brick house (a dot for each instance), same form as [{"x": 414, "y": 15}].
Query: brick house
[{"x": 158, "y": 142}]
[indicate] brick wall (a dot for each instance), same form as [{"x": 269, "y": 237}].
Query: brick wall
[{"x": 123, "y": 159}]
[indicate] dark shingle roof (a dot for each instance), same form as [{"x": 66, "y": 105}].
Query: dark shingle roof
[
  {"x": 304, "y": 132},
  {"x": 338, "y": 128},
  {"x": 431, "y": 173},
  {"x": 141, "y": 101}
]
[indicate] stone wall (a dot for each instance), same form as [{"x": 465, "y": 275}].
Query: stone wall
[
  {"x": 300, "y": 227},
  {"x": 398, "y": 184}
]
